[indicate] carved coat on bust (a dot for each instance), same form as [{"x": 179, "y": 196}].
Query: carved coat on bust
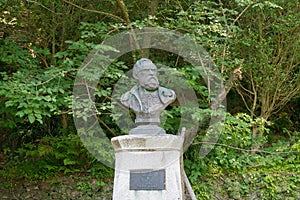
[{"x": 148, "y": 105}]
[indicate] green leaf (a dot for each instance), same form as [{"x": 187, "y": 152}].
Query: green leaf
[
  {"x": 31, "y": 118},
  {"x": 20, "y": 113},
  {"x": 68, "y": 161}
]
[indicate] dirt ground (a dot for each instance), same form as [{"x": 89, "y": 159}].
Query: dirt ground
[{"x": 61, "y": 188}]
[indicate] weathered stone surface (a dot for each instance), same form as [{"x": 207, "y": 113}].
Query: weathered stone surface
[
  {"x": 165, "y": 142},
  {"x": 146, "y": 153},
  {"x": 147, "y": 130}
]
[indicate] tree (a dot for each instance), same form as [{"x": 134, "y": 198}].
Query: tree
[
  {"x": 265, "y": 50},
  {"x": 268, "y": 50}
]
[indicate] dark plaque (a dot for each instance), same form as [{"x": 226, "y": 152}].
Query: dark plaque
[{"x": 147, "y": 180}]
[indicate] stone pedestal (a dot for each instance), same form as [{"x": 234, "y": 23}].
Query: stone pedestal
[{"x": 147, "y": 167}]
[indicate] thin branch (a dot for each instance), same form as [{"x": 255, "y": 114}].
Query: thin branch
[
  {"x": 123, "y": 10},
  {"x": 189, "y": 186},
  {"x": 88, "y": 93},
  {"x": 87, "y": 64},
  {"x": 113, "y": 30},
  {"x": 133, "y": 38},
  {"x": 42, "y": 6},
  {"x": 118, "y": 103},
  {"x": 54, "y": 77},
  {"x": 177, "y": 60},
  {"x": 107, "y": 127},
  {"x": 245, "y": 9},
  {"x": 285, "y": 99},
  {"x": 65, "y": 112},
  {"x": 227, "y": 35},
  {"x": 240, "y": 149},
  {"x": 255, "y": 96},
  {"x": 95, "y": 11},
  {"x": 245, "y": 89},
  {"x": 205, "y": 71},
  {"x": 244, "y": 100},
  {"x": 91, "y": 99}
]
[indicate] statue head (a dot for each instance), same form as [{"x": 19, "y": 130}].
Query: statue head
[{"x": 145, "y": 73}]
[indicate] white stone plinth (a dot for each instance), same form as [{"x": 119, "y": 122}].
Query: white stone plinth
[{"x": 142, "y": 153}]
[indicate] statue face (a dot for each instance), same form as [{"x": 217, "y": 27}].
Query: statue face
[{"x": 147, "y": 77}]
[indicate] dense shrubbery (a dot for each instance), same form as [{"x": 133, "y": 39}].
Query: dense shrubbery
[
  {"x": 232, "y": 171},
  {"x": 50, "y": 156}
]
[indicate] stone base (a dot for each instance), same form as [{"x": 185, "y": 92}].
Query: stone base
[
  {"x": 147, "y": 130},
  {"x": 140, "y": 153}
]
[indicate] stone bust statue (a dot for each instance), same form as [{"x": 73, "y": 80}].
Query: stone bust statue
[{"x": 147, "y": 99}]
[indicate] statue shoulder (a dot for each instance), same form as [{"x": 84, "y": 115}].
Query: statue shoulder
[
  {"x": 166, "y": 95},
  {"x": 127, "y": 97}
]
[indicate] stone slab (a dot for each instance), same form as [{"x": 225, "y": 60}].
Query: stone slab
[
  {"x": 147, "y": 180},
  {"x": 149, "y": 143}
]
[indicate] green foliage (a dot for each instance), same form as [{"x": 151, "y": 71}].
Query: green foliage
[
  {"x": 49, "y": 156},
  {"x": 268, "y": 48},
  {"x": 35, "y": 97},
  {"x": 90, "y": 189},
  {"x": 13, "y": 56},
  {"x": 231, "y": 171}
]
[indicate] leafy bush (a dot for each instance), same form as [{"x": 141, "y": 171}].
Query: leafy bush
[
  {"x": 49, "y": 156},
  {"x": 233, "y": 171}
]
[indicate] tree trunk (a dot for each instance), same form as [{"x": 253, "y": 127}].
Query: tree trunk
[{"x": 147, "y": 40}]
